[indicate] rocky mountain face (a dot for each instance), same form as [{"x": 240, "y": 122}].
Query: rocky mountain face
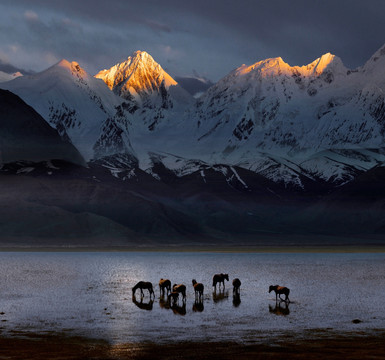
[
  {"x": 270, "y": 149},
  {"x": 79, "y": 106},
  {"x": 25, "y": 135}
]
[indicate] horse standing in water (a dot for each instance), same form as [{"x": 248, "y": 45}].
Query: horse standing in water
[
  {"x": 180, "y": 289},
  {"x": 143, "y": 285},
  {"x": 236, "y": 286},
  {"x": 198, "y": 288},
  {"x": 164, "y": 284},
  {"x": 280, "y": 290},
  {"x": 220, "y": 278}
]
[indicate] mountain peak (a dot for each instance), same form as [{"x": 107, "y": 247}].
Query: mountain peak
[
  {"x": 63, "y": 63},
  {"x": 140, "y": 73},
  {"x": 73, "y": 67},
  {"x": 277, "y": 66},
  {"x": 327, "y": 61},
  {"x": 376, "y": 64}
]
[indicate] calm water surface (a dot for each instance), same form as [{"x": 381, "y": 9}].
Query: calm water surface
[{"x": 90, "y": 294}]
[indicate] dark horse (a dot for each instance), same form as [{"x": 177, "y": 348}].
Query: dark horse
[
  {"x": 180, "y": 289},
  {"x": 198, "y": 288},
  {"x": 236, "y": 286},
  {"x": 143, "y": 285},
  {"x": 220, "y": 278},
  {"x": 280, "y": 290},
  {"x": 164, "y": 284}
]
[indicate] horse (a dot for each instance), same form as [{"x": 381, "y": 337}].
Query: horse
[
  {"x": 198, "y": 288},
  {"x": 164, "y": 284},
  {"x": 180, "y": 288},
  {"x": 220, "y": 278},
  {"x": 280, "y": 290},
  {"x": 236, "y": 286},
  {"x": 143, "y": 285}
]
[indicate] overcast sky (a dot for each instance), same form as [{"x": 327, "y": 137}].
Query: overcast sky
[{"x": 205, "y": 37}]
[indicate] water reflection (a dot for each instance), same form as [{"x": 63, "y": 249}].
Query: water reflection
[
  {"x": 164, "y": 303},
  {"x": 280, "y": 308},
  {"x": 236, "y": 299},
  {"x": 143, "y": 305},
  {"x": 179, "y": 310},
  {"x": 198, "y": 306},
  {"x": 220, "y": 295}
]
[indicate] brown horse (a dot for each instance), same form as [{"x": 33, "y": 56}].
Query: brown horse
[
  {"x": 164, "y": 284},
  {"x": 280, "y": 290},
  {"x": 220, "y": 278},
  {"x": 143, "y": 285},
  {"x": 236, "y": 286},
  {"x": 180, "y": 289},
  {"x": 198, "y": 288}
]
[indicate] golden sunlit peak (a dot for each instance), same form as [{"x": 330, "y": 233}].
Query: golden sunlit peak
[
  {"x": 276, "y": 66},
  {"x": 64, "y": 63},
  {"x": 139, "y": 73},
  {"x": 268, "y": 67}
]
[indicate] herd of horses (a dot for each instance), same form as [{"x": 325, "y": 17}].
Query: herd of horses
[{"x": 175, "y": 291}]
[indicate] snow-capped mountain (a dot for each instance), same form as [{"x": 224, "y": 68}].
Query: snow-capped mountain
[
  {"x": 270, "y": 149},
  {"x": 79, "y": 106},
  {"x": 295, "y": 125},
  {"x": 8, "y": 77},
  {"x": 151, "y": 95}
]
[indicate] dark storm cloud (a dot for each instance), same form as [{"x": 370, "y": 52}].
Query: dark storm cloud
[{"x": 212, "y": 36}]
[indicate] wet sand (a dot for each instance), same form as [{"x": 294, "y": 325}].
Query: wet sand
[{"x": 314, "y": 344}]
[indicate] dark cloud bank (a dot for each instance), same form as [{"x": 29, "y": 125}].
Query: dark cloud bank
[{"x": 212, "y": 36}]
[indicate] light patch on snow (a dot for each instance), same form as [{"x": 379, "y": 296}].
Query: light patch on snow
[
  {"x": 203, "y": 175},
  {"x": 25, "y": 170},
  {"x": 238, "y": 177}
]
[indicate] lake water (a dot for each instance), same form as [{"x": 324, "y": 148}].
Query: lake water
[{"x": 90, "y": 294}]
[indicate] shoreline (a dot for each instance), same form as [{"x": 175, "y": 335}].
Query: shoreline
[
  {"x": 207, "y": 249},
  {"x": 310, "y": 344}
]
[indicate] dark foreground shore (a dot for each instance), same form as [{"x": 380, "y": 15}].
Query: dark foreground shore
[{"x": 315, "y": 344}]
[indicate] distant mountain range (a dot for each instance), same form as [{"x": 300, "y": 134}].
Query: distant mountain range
[{"x": 269, "y": 150}]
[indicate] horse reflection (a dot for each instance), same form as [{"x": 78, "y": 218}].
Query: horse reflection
[
  {"x": 179, "y": 310},
  {"x": 220, "y": 295},
  {"x": 164, "y": 303},
  {"x": 198, "y": 306},
  {"x": 280, "y": 310},
  {"x": 236, "y": 299},
  {"x": 143, "y": 305}
]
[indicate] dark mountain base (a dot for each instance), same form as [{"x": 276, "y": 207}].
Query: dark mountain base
[{"x": 58, "y": 204}]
